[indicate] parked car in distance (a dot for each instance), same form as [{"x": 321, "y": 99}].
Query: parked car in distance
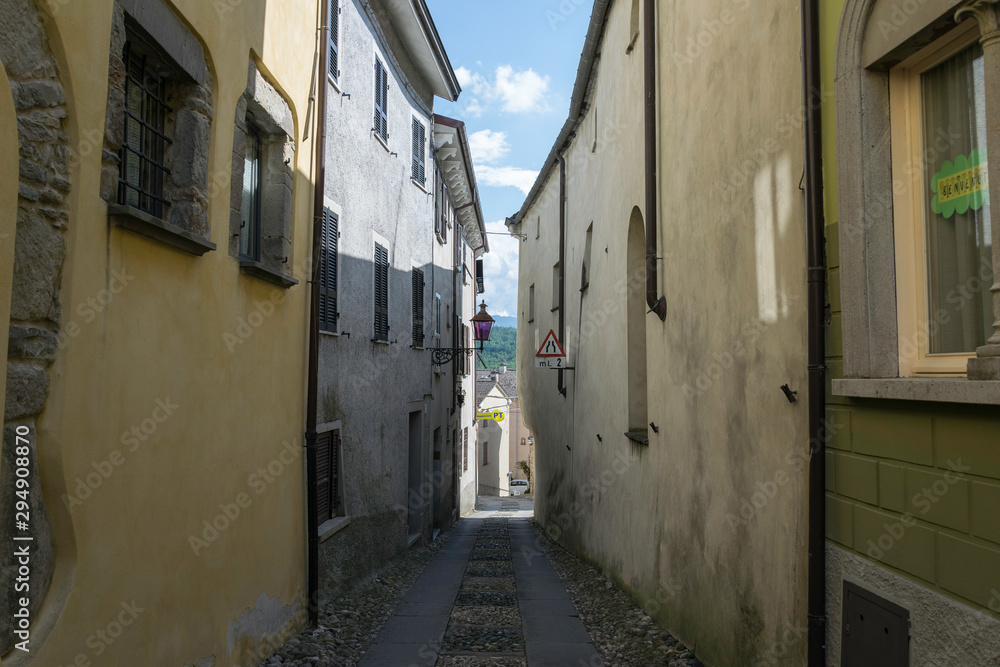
[{"x": 519, "y": 487}]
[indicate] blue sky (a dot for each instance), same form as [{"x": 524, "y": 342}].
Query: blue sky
[{"x": 517, "y": 64}]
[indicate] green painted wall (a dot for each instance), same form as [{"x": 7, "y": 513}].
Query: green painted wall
[{"x": 913, "y": 486}]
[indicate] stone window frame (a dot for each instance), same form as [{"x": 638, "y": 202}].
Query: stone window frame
[
  {"x": 185, "y": 224},
  {"x": 871, "y": 40},
  {"x": 262, "y": 107}
]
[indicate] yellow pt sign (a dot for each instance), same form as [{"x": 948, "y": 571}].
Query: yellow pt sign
[{"x": 496, "y": 416}]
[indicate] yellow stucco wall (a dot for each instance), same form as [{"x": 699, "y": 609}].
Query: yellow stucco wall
[{"x": 159, "y": 342}]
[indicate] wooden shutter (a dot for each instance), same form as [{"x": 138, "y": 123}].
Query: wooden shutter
[
  {"x": 335, "y": 495},
  {"x": 381, "y": 100},
  {"x": 335, "y": 39},
  {"x": 328, "y": 314},
  {"x": 327, "y": 476},
  {"x": 418, "y": 308},
  {"x": 419, "y": 141},
  {"x": 465, "y": 449},
  {"x": 381, "y": 293},
  {"x": 324, "y": 477}
]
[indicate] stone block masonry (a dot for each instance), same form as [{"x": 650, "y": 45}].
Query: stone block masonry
[{"x": 39, "y": 250}]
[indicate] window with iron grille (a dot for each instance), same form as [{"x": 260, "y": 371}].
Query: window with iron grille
[
  {"x": 381, "y": 284},
  {"x": 335, "y": 40},
  {"x": 250, "y": 224},
  {"x": 328, "y": 482},
  {"x": 419, "y": 136},
  {"x": 465, "y": 449},
  {"x": 142, "y": 167},
  {"x": 381, "y": 122},
  {"x": 330, "y": 240},
  {"x": 418, "y": 308}
]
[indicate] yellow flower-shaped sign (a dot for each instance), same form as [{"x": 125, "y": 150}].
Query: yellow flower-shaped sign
[{"x": 961, "y": 185}]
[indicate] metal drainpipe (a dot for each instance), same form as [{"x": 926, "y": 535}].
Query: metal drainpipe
[
  {"x": 562, "y": 263},
  {"x": 816, "y": 262},
  {"x": 656, "y": 304},
  {"x": 313, "y": 372}
]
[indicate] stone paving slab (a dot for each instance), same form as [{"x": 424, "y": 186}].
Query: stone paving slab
[
  {"x": 480, "y": 661},
  {"x": 557, "y": 654},
  {"x": 413, "y": 629},
  {"x": 488, "y": 599}
]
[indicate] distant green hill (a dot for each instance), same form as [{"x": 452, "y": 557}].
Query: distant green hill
[{"x": 502, "y": 348}]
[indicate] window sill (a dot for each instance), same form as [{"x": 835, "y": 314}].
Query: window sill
[
  {"x": 377, "y": 341},
  {"x": 638, "y": 437},
  {"x": 134, "y": 220},
  {"x": 421, "y": 186},
  {"x": 382, "y": 142},
  {"x": 332, "y": 527},
  {"x": 258, "y": 270},
  {"x": 333, "y": 82},
  {"x": 324, "y": 332},
  {"x": 935, "y": 390}
]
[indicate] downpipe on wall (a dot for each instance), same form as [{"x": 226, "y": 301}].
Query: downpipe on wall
[
  {"x": 656, "y": 304},
  {"x": 312, "y": 390},
  {"x": 562, "y": 264},
  {"x": 816, "y": 263}
]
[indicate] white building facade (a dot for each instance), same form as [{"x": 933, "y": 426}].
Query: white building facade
[{"x": 383, "y": 421}]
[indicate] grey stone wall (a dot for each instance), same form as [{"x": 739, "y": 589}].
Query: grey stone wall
[
  {"x": 273, "y": 119},
  {"x": 39, "y": 249}
]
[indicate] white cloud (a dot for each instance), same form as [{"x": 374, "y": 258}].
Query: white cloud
[
  {"x": 474, "y": 108},
  {"x": 517, "y": 92},
  {"x": 522, "y": 92},
  {"x": 500, "y": 266},
  {"x": 488, "y": 146},
  {"x": 519, "y": 178}
]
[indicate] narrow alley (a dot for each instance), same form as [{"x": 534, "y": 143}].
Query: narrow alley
[
  {"x": 491, "y": 592},
  {"x": 437, "y": 333}
]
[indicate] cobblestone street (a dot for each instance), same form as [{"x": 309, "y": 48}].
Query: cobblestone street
[{"x": 491, "y": 592}]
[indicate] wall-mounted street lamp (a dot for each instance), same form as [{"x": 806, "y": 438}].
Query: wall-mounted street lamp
[{"x": 482, "y": 324}]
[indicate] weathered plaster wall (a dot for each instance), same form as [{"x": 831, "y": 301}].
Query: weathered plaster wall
[
  {"x": 494, "y": 437},
  {"x": 665, "y": 520},
  {"x": 933, "y": 466},
  {"x": 942, "y": 631},
  {"x": 372, "y": 387},
  {"x": 519, "y": 431},
  {"x": 469, "y": 475},
  {"x": 142, "y": 346}
]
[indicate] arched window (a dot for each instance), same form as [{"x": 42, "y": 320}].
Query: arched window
[{"x": 636, "y": 323}]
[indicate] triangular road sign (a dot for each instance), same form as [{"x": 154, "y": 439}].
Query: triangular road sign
[{"x": 551, "y": 347}]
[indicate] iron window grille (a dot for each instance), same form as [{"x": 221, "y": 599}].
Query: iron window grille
[{"x": 142, "y": 170}]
